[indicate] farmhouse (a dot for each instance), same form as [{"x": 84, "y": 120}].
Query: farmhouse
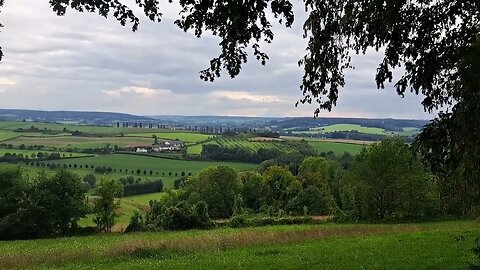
[{"x": 166, "y": 146}]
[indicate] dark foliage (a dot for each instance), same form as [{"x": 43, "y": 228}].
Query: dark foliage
[{"x": 142, "y": 188}]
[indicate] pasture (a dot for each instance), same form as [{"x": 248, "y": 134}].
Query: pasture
[
  {"x": 328, "y": 246},
  {"x": 337, "y": 148},
  {"x": 144, "y": 199},
  {"x": 131, "y": 163},
  {"x": 407, "y": 131},
  {"x": 7, "y": 135},
  {"x": 348, "y": 127}
]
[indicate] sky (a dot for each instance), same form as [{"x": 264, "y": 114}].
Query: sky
[{"x": 85, "y": 62}]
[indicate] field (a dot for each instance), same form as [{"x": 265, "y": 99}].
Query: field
[
  {"x": 6, "y": 135},
  {"x": 443, "y": 245},
  {"x": 188, "y": 137},
  {"x": 251, "y": 144},
  {"x": 407, "y": 131},
  {"x": 82, "y": 128},
  {"x": 80, "y": 142},
  {"x": 163, "y": 166},
  {"x": 336, "y": 147},
  {"x": 348, "y": 127},
  {"x": 144, "y": 199}
]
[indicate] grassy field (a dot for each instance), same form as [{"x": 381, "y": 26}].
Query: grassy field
[
  {"x": 144, "y": 199},
  {"x": 407, "y": 131},
  {"x": 181, "y": 136},
  {"x": 80, "y": 142},
  {"x": 247, "y": 143},
  {"x": 163, "y": 166},
  {"x": 348, "y": 127},
  {"x": 128, "y": 205},
  {"x": 7, "y": 135},
  {"x": 444, "y": 245},
  {"x": 337, "y": 148}
]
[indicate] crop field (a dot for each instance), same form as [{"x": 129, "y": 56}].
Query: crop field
[
  {"x": 336, "y": 147},
  {"x": 181, "y": 136},
  {"x": 250, "y": 144},
  {"x": 6, "y": 135},
  {"x": 80, "y": 142},
  {"x": 146, "y": 164},
  {"x": 329, "y": 246}
]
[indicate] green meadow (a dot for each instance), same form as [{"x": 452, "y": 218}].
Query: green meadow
[
  {"x": 336, "y": 147},
  {"x": 127, "y": 162},
  {"x": 407, "y": 131},
  {"x": 441, "y": 245},
  {"x": 7, "y": 135}
]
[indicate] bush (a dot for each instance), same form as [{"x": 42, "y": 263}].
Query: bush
[{"x": 136, "y": 223}]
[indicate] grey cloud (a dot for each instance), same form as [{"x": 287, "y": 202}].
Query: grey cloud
[{"x": 73, "y": 62}]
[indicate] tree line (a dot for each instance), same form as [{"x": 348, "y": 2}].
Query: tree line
[
  {"x": 243, "y": 154},
  {"x": 49, "y": 206},
  {"x": 384, "y": 183}
]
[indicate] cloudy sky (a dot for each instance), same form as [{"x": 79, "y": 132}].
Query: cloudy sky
[{"x": 86, "y": 62}]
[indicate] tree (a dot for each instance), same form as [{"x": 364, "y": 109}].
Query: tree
[
  {"x": 104, "y": 204},
  {"x": 50, "y": 206},
  {"x": 91, "y": 179},
  {"x": 280, "y": 187},
  {"x": 390, "y": 183},
  {"x": 13, "y": 198},
  {"x": 252, "y": 185},
  {"x": 59, "y": 202},
  {"x": 218, "y": 187}
]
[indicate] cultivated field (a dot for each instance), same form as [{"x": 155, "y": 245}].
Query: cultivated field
[
  {"x": 443, "y": 245},
  {"x": 6, "y": 135}
]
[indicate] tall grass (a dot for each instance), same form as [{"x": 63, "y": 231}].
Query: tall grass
[{"x": 79, "y": 249}]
